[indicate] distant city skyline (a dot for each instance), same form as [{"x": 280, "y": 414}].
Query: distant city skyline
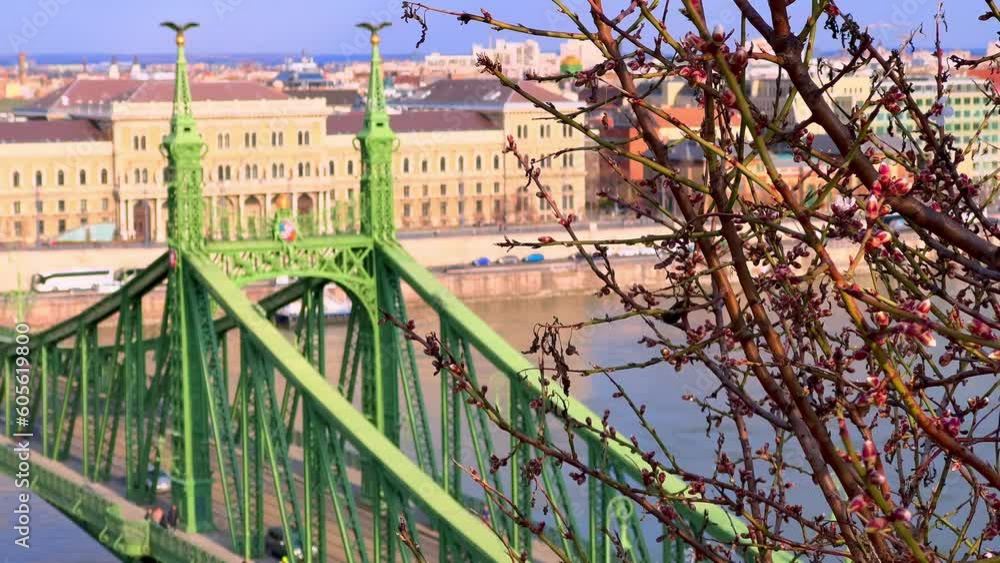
[{"x": 47, "y": 27}]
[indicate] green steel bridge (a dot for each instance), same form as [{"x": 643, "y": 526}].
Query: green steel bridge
[{"x": 256, "y": 433}]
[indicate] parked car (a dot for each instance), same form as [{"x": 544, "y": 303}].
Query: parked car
[
  {"x": 506, "y": 259},
  {"x": 162, "y": 480},
  {"x": 481, "y": 261},
  {"x": 274, "y": 544},
  {"x": 536, "y": 257}
]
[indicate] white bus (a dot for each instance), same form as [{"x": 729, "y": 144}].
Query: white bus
[{"x": 102, "y": 281}]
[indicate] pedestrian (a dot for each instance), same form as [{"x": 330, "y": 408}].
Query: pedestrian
[
  {"x": 158, "y": 515},
  {"x": 172, "y": 515}
]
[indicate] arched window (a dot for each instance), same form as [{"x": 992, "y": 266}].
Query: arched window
[
  {"x": 281, "y": 138},
  {"x": 302, "y": 167},
  {"x": 461, "y": 164},
  {"x": 104, "y": 176},
  {"x": 60, "y": 178},
  {"x": 350, "y": 167},
  {"x": 219, "y": 140},
  {"x": 281, "y": 170},
  {"x": 142, "y": 143},
  {"x": 229, "y": 172},
  {"x": 496, "y": 162},
  {"x": 274, "y": 170},
  {"x": 255, "y": 171},
  {"x": 145, "y": 176},
  {"x": 83, "y": 177},
  {"x": 479, "y": 162},
  {"x": 137, "y": 175},
  {"x": 443, "y": 164},
  {"x": 222, "y": 173},
  {"x": 135, "y": 142},
  {"x": 308, "y": 165},
  {"x": 38, "y": 178},
  {"x": 423, "y": 166},
  {"x": 307, "y": 137},
  {"x": 406, "y": 166},
  {"x": 16, "y": 180},
  {"x": 246, "y": 172},
  {"x": 300, "y": 137},
  {"x": 227, "y": 140},
  {"x": 332, "y": 167}
]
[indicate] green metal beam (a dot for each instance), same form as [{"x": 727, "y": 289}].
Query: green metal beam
[
  {"x": 332, "y": 406},
  {"x": 717, "y": 522}
]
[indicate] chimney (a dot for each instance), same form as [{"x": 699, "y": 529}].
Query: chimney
[{"x": 22, "y": 67}]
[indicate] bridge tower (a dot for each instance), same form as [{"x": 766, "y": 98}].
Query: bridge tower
[
  {"x": 377, "y": 142},
  {"x": 191, "y": 462}
]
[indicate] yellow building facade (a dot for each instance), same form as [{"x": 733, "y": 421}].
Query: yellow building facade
[{"x": 261, "y": 145}]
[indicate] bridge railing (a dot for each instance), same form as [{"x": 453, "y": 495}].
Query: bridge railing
[
  {"x": 342, "y": 218},
  {"x": 589, "y": 520}
]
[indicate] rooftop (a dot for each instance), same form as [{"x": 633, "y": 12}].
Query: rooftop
[
  {"x": 60, "y": 131},
  {"x": 482, "y": 94}
]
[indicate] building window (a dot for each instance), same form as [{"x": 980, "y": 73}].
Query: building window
[
  {"x": 406, "y": 191},
  {"x": 350, "y": 167},
  {"x": 18, "y": 229},
  {"x": 496, "y": 187},
  {"x": 406, "y": 210},
  {"x": 461, "y": 188},
  {"x": 39, "y": 206},
  {"x": 425, "y": 209},
  {"x": 461, "y": 164},
  {"x": 302, "y": 169},
  {"x": 246, "y": 172},
  {"x": 479, "y": 206},
  {"x": 444, "y": 210},
  {"x": 281, "y": 170},
  {"x": 496, "y": 162},
  {"x": 136, "y": 175},
  {"x": 83, "y": 177},
  {"x": 274, "y": 170},
  {"x": 229, "y": 172},
  {"x": 61, "y": 206},
  {"x": 443, "y": 164},
  {"x": 142, "y": 142},
  {"x": 425, "y": 191},
  {"x": 38, "y": 179},
  {"x": 226, "y": 139},
  {"x": 145, "y": 176},
  {"x": 406, "y": 166},
  {"x": 83, "y": 206},
  {"x": 444, "y": 189},
  {"x": 105, "y": 203},
  {"x": 84, "y": 221},
  {"x": 331, "y": 168},
  {"x": 479, "y": 187},
  {"x": 16, "y": 180},
  {"x": 423, "y": 166},
  {"x": 567, "y": 197},
  {"x": 461, "y": 208},
  {"x": 479, "y": 163},
  {"x": 307, "y": 137},
  {"x": 17, "y": 208},
  {"x": 104, "y": 176},
  {"x": 62, "y": 225},
  {"x": 41, "y": 227}
]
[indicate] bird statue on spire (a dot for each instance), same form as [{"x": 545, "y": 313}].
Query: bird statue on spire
[
  {"x": 374, "y": 28},
  {"x": 179, "y": 29}
]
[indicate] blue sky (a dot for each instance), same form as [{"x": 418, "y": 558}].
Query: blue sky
[{"x": 326, "y": 26}]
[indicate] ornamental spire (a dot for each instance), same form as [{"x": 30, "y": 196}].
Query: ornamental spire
[
  {"x": 183, "y": 147},
  {"x": 377, "y": 142},
  {"x": 182, "y": 90}
]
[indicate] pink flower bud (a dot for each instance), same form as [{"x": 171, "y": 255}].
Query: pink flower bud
[
  {"x": 869, "y": 453},
  {"x": 858, "y": 503},
  {"x": 924, "y": 307},
  {"x": 901, "y": 514},
  {"x": 879, "y": 239},
  {"x": 876, "y": 525},
  {"x": 719, "y": 34},
  {"x": 882, "y": 319},
  {"x": 873, "y": 207}
]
